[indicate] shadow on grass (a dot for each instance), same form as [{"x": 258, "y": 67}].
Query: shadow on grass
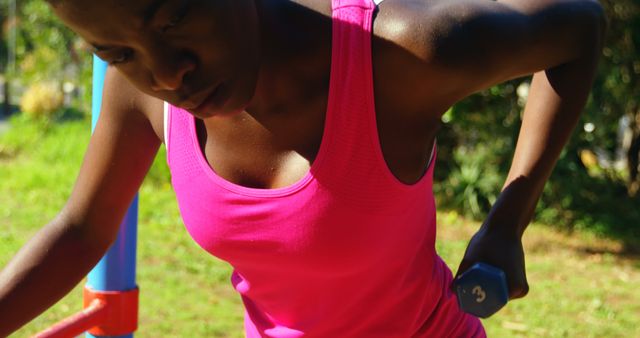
[
  {"x": 7, "y": 111},
  {"x": 70, "y": 114}
]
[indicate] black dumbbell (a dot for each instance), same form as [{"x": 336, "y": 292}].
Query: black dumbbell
[{"x": 482, "y": 290}]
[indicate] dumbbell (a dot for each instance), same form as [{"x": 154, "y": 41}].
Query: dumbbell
[{"x": 482, "y": 290}]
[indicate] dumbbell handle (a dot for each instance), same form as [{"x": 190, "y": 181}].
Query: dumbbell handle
[{"x": 482, "y": 290}]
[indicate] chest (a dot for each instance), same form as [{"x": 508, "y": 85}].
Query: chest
[
  {"x": 278, "y": 146},
  {"x": 314, "y": 231},
  {"x": 279, "y": 152}
]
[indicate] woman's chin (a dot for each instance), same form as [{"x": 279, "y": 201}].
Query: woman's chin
[{"x": 225, "y": 111}]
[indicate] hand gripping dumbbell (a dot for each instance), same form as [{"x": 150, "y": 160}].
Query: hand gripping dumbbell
[{"x": 482, "y": 290}]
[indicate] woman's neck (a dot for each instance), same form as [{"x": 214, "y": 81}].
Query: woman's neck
[{"x": 296, "y": 53}]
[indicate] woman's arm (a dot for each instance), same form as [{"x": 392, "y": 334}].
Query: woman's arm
[
  {"x": 460, "y": 47},
  {"x": 561, "y": 41},
  {"x": 557, "y": 97},
  {"x": 120, "y": 153},
  {"x": 483, "y": 43}
]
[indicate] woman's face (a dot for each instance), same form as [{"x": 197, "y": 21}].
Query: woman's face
[{"x": 201, "y": 55}]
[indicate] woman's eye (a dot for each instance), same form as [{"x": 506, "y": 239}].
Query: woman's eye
[
  {"x": 177, "y": 18},
  {"x": 124, "y": 57}
]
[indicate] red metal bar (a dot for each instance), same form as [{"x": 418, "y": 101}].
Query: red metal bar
[
  {"x": 122, "y": 316},
  {"x": 79, "y": 323}
]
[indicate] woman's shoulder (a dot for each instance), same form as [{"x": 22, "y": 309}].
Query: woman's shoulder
[
  {"x": 454, "y": 48},
  {"x": 410, "y": 41},
  {"x": 449, "y": 35},
  {"x": 124, "y": 99}
]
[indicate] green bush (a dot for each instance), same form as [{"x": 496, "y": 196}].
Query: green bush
[
  {"x": 42, "y": 101},
  {"x": 575, "y": 200},
  {"x": 474, "y": 183}
]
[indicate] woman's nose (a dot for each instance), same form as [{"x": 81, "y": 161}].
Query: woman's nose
[{"x": 170, "y": 75}]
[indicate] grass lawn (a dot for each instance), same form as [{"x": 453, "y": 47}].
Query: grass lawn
[{"x": 581, "y": 286}]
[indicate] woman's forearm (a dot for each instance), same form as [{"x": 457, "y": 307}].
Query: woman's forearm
[
  {"x": 42, "y": 272},
  {"x": 556, "y": 100}
]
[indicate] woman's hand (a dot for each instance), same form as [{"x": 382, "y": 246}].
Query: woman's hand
[{"x": 502, "y": 250}]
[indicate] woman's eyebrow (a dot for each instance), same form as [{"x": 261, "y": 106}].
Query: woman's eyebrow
[{"x": 150, "y": 12}]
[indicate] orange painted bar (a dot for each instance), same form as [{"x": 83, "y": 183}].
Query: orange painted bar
[
  {"x": 122, "y": 312},
  {"x": 75, "y": 325}
]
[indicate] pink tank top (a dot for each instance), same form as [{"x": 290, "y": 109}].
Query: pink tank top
[{"x": 347, "y": 251}]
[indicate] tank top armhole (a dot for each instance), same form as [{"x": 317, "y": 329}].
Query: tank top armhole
[
  {"x": 167, "y": 128},
  {"x": 432, "y": 158}
]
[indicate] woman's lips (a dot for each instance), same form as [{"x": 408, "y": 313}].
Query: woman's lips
[
  {"x": 214, "y": 101},
  {"x": 207, "y": 98}
]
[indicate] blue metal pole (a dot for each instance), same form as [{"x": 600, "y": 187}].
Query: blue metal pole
[
  {"x": 116, "y": 271},
  {"x": 99, "y": 72}
]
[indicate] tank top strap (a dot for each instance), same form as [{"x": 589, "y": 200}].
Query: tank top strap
[
  {"x": 369, "y": 4},
  {"x": 354, "y": 158},
  {"x": 177, "y": 141}
]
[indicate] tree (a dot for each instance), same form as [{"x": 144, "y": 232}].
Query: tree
[
  {"x": 616, "y": 97},
  {"x": 46, "y": 51}
]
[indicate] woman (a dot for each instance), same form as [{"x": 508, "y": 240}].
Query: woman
[{"x": 301, "y": 141}]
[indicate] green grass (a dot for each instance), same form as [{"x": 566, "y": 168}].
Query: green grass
[{"x": 581, "y": 286}]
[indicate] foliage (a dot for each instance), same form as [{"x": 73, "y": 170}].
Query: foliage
[
  {"x": 44, "y": 46},
  {"x": 475, "y": 147},
  {"x": 575, "y": 199},
  {"x": 474, "y": 185},
  {"x": 42, "y": 100},
  {"x": 615, "y": 95},
  {"x": 46, "y": 51},
  {"x": 598, "y": 197}
]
